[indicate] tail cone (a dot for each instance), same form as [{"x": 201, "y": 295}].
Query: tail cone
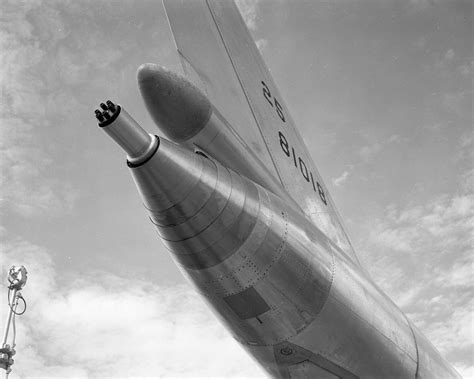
[{"x": 202, "y": 211}]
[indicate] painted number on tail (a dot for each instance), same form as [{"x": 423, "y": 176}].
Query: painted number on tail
[
  {"x": 273, "y": 101},
  {"x": 289, "y": 151}
]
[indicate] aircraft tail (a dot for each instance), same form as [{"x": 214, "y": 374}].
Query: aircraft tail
[{"x": 221, "y": 58}]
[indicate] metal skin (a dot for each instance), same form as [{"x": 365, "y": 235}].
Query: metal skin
[
  {"x": 249, "y": 220},
  {"x": 166, "y": 94},
  {"x": 297, "y": 302},
  {"x": 219, "y": 56}
]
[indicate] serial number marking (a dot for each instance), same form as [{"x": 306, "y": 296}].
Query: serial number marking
[
  {"x": 297, "y": 160},
  {"x": 303, "y": 169},
  {"x": 273, "y": 101}
]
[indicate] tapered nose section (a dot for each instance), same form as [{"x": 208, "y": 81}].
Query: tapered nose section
[
  {"x": 202, "y": 211},
  {"x": 173, "y": 184},
  {"x": 178, "y": 107}
]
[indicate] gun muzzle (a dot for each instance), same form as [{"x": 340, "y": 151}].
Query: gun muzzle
[{"x": 129, "y": 135}]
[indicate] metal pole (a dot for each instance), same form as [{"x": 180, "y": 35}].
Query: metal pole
[{"x": 11, "y": 307}]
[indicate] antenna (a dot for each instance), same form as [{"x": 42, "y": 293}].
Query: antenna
[{"x": 17, "y": 279}]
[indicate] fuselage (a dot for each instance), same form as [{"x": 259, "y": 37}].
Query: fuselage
[
  {"x": 236, "y": 198},
  {"x": 298, "y": 303}
]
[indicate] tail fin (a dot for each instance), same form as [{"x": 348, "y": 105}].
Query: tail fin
[{"x": 220, "y": 57}]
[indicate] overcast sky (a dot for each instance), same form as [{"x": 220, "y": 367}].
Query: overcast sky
[{"x": 381, "y": 92}]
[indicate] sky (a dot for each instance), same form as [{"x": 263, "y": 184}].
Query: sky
[{"x": 381, "y": 92}]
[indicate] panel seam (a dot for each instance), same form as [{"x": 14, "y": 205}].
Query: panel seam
[
  {"x": 416, "y": 345},
  {"x": 245, "y": 93}
]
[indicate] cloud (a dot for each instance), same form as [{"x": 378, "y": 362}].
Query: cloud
[
  {"x": 101, "y": 325},
  {"x": 368, "y": 152},
  {"x": 26, "y": 185},
  {"x": 249, "y": 10},
  {"x": 339, "y": 181},
  {"x": 262, "y": 44},
  {"x": 422, "y": 257},
  {"x": 467, "y": 181},
  {"x": 466, "y": 69},
  {"x": 415, "y": 6},
  {"x": 449, "y": 55},
  {"x": 457, "y": 102},
  {"x": 444, "y": 61},
  {"x": 45, "y": 78}
]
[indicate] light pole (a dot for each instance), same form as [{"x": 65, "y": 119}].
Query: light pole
[{"x": 17, "y": 279}]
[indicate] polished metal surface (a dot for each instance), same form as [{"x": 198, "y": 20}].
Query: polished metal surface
[
  {"x": 220, "y": 57},
  {"x": 291, "y": 296},
  {"x": 131, "y": 137},
  {"x": 244, "y": 219},
  {"x": 184, "y": 114},
  {"x": 430, "y": 362},
  {"x": 178, "y": 107}
]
